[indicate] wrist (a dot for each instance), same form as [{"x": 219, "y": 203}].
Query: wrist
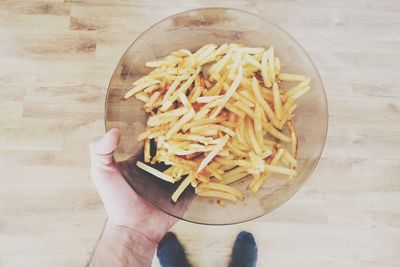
[{"x": 127, "y": 246}]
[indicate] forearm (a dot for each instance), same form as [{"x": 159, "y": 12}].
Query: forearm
[{"x": 120, "y": 246}]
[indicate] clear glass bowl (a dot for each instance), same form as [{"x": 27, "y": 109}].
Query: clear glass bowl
[{"x": 191, "y": 30}]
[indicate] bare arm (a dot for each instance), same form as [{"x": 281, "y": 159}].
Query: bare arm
[{"x": 121, "y": 246}]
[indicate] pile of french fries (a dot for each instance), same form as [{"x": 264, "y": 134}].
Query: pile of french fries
[{"x": 217, "y": 116}]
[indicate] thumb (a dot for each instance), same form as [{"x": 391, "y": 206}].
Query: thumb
[{"x": 102, "y": 148}]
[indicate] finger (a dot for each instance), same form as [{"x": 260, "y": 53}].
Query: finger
[{"x": 102, "y": 148}]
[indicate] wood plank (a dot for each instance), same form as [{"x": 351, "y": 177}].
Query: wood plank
[{"x": 57, "y": 58}]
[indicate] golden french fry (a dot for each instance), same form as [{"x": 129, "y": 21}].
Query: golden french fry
[
  {"x": 236, "y": 151},
  {"x": 200, "y": 122},
  {"x": 142, "y": 97},
  {"x": 275, "y": 133},
  {"x": 256, "y": 90},
  {"x": 146, "y": 150},
  {"x": 152, "y": 121},
  {"x": 224, "y": 188},
  {"x": 185, "y": 101},
  {"x": 243, "y": 100},
  {"x": 271, "y": 65},
  {"x": 277, "y": 157},
  {"x": 301, "y": 92},
  {"x": 182, "y": 187},
  {"x": 252, "y": 137},
  {"x": 217, "y": 194},
  {"x": 248, "y": 111},
  {"x": 165, "y": 62},
  {"x": 293, "y": 138},
  {"x": 258, "y": 130},
  {"x": 154, "y": 172},
  {"x": 291, "y": 77},
  {"x": 140, "y": 87},
  {"x": 298, "y": 87},
  {"x": 213, "y": 153},
  {"x": 235, "y": 110},
  {"x": 278, "y": 169},
  {"x": 202, "y": 128},
  {"x": 290, "y": 159},
  {"x": 252, "y": 61},
  {"x": 177, "y": 126},
  {"x": 277, "y": 101},
  {"x": 264, "y": 70}
]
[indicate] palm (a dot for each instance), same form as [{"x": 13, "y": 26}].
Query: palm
[{"x": 124, "y": 207}]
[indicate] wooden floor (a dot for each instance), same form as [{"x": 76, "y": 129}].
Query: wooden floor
[{"x": 56, "y": 59}]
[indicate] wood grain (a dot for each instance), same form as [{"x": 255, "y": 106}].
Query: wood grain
[{"x": 56, "y": 61}]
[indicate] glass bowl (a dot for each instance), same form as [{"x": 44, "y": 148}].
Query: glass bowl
[{"x": 191, "y": 30}]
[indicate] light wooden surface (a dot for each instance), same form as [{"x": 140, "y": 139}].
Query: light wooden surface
[{"x": 56, "y": 59}]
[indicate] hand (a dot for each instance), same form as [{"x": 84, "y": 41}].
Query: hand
[{"x": 124, "y": 207}]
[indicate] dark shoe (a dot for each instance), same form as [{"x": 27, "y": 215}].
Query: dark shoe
[
  {"x": 170, "y": 252},
  {"x": 244, "y": 253}
]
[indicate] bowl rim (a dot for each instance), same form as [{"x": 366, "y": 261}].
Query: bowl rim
[{"x": 325, "y": 99}]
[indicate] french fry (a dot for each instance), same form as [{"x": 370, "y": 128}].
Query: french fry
[
  {"x": 236, "y": 151},
  {"x": 277, "y": 101},
  {"x": 298, "y": 87},
  {"x": 275, "y": 133},
  {"x": 207, "y": 99},
  {"x": 202, "y": 122},
  {"x": 235, "y": 110},
  {"x": 248, "y": 111},
  {"x": 271, "y": 65},
  {"x": 301, "y": 92},
  {"x": 195, "y": 93},
  {"x": 177, "y": 126},
  {"x": 243, "y": 100},
  {"x": 154, "y": 172},
  {"x": 266, "y": 107},
  {"x": 147, "y": 150},
  {"x": 291, "y": 77},
  {"x": 224, "y": 188},
  {"x": 264, "y": 70},
  {"x": 201, "y": 114},
  {"x": 142, "y": 97},
  {"x": 291, "y": 160},
  {"x": 216, "y": 89},
  {"x": 185, "y": 101},
  {"x": 278, "y": 169},
  {"x": 249, "y": 50},
  {"x": 213, "y": 153},
  {"x": 252, "y": 61},
  {"x": 293, "y": 138},
  {"x": 140, "y": 87},
  {"x": 277, "y": 157},
  {"x": 216, "y": 194},
  {"x": 252, "y": 136},
  {"x": 258, "y": 130},
  {"x": 152, "y": 100},
  {"x": 202, "y": 128},
  {"x": 153, "y": 121},
  {"x": 235, "y": 177},
  {"x": 172, "y": 61},
  {"x": 185, "y": 183},
  {"x": 277, "y": 65}
]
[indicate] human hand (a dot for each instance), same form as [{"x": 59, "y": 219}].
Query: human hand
[{"x": 123, "y": 206}]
